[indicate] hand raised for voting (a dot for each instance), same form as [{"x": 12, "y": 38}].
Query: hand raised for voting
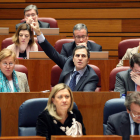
[
  {"x": 135, "y": 77},
  {"x": 35, "y": 27}
]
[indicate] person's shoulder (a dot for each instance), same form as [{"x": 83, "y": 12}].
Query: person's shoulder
[
  {"x": 43, "y": 24},
  {"x": 69, "y": 44},
  {"x": 94, "y": 44},
  {"x": 119, "y": 115},
  {"x": 76, "y": 112},
  {"x": 124, "y": 73},
  {"x": 20, "y": 74},
  {"x": 11, "y": 46}
]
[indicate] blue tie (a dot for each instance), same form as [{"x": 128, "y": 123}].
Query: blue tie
[{"x": 72, "y": 83}]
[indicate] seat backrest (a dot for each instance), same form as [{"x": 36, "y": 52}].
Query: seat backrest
[
  {"x": 51, "y": 21},
  {"x": 125, "y": 44},
  {"x": 28, "y": 114},
  {"x": 21, "y": 68},
  {"x": 55, "y": 74},
  {"x": 112, "y": 76},
  {"x": 56, "y": 71},
  {"x": 60, "y": 42},
  {"x": 8, "y": 41},
  {"x": 112, "y": 106},
  {"x": 97, "y": 71}
]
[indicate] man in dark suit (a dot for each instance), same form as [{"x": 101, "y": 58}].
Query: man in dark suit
[
  {"x": 30, "y": 15},
  {"x": 129, "y": 80},
  {"x": 126, "y": 123},
  {"x": 86, "y": 79},
  {"x": 80, "y": 35}
]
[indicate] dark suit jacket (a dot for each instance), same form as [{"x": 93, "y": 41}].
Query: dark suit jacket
[
  {"x": 87, "y": 82},
  {"x": 41, "y": 24},
  {"x": 67, "y": 49},
  {"x": 119, "y": 124},
  {"x": 124, "y": 82}
]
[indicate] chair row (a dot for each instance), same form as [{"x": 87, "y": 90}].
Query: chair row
[
  {"x": 122, "y": 47},
  {"x": 31, "y": 108},
  {"x": 56, "y": 71}
]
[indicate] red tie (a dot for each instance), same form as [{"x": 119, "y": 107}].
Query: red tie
[{"x": 138, "y": 88}]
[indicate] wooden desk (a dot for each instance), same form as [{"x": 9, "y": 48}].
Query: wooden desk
[
  {"x": 39, "y": 72},
  {"x": 90, "y": 137},
  {"x": 23, "y": 138},
  {"x": 134, "y": 137},
  {"x": 90, "y": 104}
]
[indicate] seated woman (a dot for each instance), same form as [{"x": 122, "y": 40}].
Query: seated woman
[
  {"x": 59, "y": 117},
  {"x": 23, "y": 41},
  {"x": 11, "y": 80}
]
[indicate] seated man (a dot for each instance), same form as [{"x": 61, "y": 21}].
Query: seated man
[
  {"x": 129, "y": 80},
  {"x": 75, "y": 71},
  {"x": 31, "y": 14},
  {"x": 80, "y": 35},
  {"x": 126, "y": 123},
  {"x": 129, "y": 53}
]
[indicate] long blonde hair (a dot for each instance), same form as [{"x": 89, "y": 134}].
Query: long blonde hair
[{"x": 51, "y": 107}]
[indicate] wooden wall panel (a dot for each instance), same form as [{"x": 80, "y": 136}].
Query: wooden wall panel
[
  {"x": 73, "y": 5},
  {"x": 75, "y": 13},
  {"x": 92, "y": 25}
]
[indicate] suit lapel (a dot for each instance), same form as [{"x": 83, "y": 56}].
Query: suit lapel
[
  {"x": 125, "y": 126},
  {"x": 131, "y": 84},
  {"x": 88, "y": 45}
]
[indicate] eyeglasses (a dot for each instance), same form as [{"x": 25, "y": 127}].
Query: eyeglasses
[
  {"x": 135, "y": 115},
  {"x": 6, "y": 64},
  {"x": 136, "y": 71},
  {"x": 32, "y": 15},
  {"x": 83, "y": 37}
]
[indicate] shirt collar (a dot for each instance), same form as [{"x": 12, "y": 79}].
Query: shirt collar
[
  {"x": 81, "y": 72},
  {"x": 131, "y": 120}
]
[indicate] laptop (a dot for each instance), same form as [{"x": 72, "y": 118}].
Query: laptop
[
  {"x": 99, "y": 55},
  {"x": 50, "y": 31},
  {"x": 38, "y": 55},
  {"x": 4, "y": 31}
]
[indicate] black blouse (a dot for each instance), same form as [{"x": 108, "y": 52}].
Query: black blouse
[{"x": 48, "y": 125}]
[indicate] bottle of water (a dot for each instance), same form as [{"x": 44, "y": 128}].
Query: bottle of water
[{"x": 123, "y": 96}]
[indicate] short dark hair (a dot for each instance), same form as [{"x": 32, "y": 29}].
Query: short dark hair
[
  {"x": 135, "y": 59},
  {"x": 80, "y": 26},
  {"x": 30, "y": 7},
  {"x": 133, "y": 97},
  {"x": 81, "y": 47}
]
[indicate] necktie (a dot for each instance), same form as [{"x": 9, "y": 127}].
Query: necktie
[
  {"x": 72, "y": 83},
  {"x": 136, "y": 131},
  {"x": 138, "y": 88}
]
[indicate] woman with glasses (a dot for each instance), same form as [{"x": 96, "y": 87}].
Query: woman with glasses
[
  {"x": 59, "y": 117},
  {"x": 23, "y": 41},
  {"x": 11, "y": 80}
]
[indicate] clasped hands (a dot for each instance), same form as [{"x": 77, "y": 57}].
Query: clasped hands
[{"x": 135, "y": 77}]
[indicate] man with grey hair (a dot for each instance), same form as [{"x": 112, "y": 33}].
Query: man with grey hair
[
  {"x": 31, "y": 15},
  {"x": 80, "y": 35},
  {"x": 126, "y": 123}
]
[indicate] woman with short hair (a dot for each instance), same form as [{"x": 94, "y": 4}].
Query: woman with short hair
[
  {"x": 11, "y": 80},
  {"x": 59, "y": 117}
]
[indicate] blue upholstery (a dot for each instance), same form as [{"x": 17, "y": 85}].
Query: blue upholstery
[
  {"x": 112, "y": 106},
  {"x": 28, "y": 114}
]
